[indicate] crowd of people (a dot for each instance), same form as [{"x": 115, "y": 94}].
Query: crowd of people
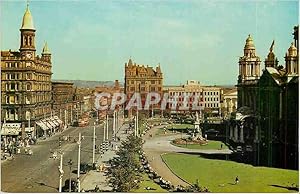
[{"x": 15, "y": 145}]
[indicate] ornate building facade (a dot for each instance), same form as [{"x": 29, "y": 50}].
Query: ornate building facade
[
  {"x": 26, "y": 82},
  {"x": 142, "y": 79},
  {"x": 267, "y": 118}
]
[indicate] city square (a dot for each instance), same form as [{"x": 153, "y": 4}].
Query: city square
[{"x": 149, "y": 96}]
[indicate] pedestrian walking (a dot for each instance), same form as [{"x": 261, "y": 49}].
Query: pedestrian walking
[
  {"x": 236, "y": 180},
  {"x": 221, "y": 145}
]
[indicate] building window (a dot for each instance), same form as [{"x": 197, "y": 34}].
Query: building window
[
  {"x": 152, "y": 82},
  {"x": 12, "y": 86},
  {"x": 28, "y": 87}
]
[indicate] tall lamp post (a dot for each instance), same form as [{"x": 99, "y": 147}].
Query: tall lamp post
[{"x": 70, "y": 165}]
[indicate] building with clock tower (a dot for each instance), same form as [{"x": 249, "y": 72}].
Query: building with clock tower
[{"x": 26, "y": 86}]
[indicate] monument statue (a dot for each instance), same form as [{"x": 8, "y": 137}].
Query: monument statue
[{"x": 197, "y": 128}]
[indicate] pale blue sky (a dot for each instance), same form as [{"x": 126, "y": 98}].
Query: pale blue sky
[{"x": 200, "y": 40}]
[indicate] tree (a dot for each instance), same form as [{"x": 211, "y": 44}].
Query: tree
[{"x": 124, "y": 174}]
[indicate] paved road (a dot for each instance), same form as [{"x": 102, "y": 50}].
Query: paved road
[
  {"x": 39, "y": 172},
  {"x": 163, "y": 144}
]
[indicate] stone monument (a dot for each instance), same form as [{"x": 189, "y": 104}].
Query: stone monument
[{"x": 197, "y": 128}]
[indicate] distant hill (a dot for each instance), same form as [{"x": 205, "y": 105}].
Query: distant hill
[{"x": 89, "y": 84}]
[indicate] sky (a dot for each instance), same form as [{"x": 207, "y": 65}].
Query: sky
[{"x": 191, "y": 40}]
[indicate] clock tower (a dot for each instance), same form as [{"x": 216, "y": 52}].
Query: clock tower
[{"x": 27, "y": 47}]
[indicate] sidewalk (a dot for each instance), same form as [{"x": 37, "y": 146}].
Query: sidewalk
[
  {"x": 93, "y": 177},
  {"x": 154, "y": 157}
]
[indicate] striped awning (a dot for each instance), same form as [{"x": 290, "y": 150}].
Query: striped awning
[{"x": 42, "y": 125}]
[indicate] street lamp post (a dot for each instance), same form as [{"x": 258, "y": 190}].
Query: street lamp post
[
  {"x": 70, "y": 165},
  {"x": 94, "y": 138},
  {"x": 104, "y": 131},
  {"x": 61, "y": 172},
  {"x": 114, "y": 124},
  {"x": 78, "y": 164},
  {"x": 107, "y": 127}
]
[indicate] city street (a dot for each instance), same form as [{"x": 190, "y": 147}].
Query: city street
[{"x": 39, "y": 172}]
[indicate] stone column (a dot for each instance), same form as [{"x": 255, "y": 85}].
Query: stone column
[
  {"x": 256, "y": 133},
  {"x": 235, "y": 133},
  {"x": 230, "y": 132},
  {"x": 242, "y": 134}
]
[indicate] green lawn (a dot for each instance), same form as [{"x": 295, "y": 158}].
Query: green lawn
[
  {"x": 212, "y": 145},
  {"x": 147, "y": 182},
  {"x": 219, "y": 175}
]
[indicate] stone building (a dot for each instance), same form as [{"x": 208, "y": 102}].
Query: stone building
[
  {"x": 142, "y": 79},
  {"x": 228, "y": 101},
  {"x": 267, "y": 116},
  {"x": 26, "y": 83},
  {"x": 62, "y": 98},
  {"x": 206, "y": 98}
]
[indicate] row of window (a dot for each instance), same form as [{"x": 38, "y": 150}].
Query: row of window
[
  {"x": 13, "y": 114},
  {"x": 15, "y": 99},
  {"x": 211, "y": 99},
  {"x": 144, "y": 82},
  {"x": 28, "y": 87},
  {"x": 213, "y": 105},
  {"x": 152, "y": 89},
  {"x": 27, "y": 76},
  {"x": 27, "y": 65},
  {"x": 193, "y": 93}
]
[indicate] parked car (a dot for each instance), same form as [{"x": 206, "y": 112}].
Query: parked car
[
  {"x": 65, "y": 188},
  {"x": 249, "y": 148},
  {"x": 239, "y": 149},
  {"x": 84, "y": 168},
  {"x": 211, "y": 133}
]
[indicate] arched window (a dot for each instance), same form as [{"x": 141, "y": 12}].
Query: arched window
[
  {"x": 30, "y": 41},
  {"x": 28, "y": 87},
  {"x": 26, "y": 41}
]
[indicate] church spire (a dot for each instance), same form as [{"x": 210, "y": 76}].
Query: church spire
[
  {"x": 27, "y": 46},
  {"x": 46, "y": 54},
  {"x": 27, "y": 22},
  {"x": 46, "y": 49}
]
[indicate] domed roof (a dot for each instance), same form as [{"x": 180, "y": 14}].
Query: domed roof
[
  {"x": 46, "y": 50},
  {"x": 249, "y": 43},
  {"x": 27, "y": 22},
  {"x": 292, "y": 51}
]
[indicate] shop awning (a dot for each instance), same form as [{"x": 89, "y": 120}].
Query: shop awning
[
  {"x": 51, "y": 123},
  {"x": 58, "y": 120},
  {"x": 49, "y": 126},
  {"x": 11, "y": 129},
  {"x": 54, "y": 122},
  {"x": 42, "y": 125}
]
